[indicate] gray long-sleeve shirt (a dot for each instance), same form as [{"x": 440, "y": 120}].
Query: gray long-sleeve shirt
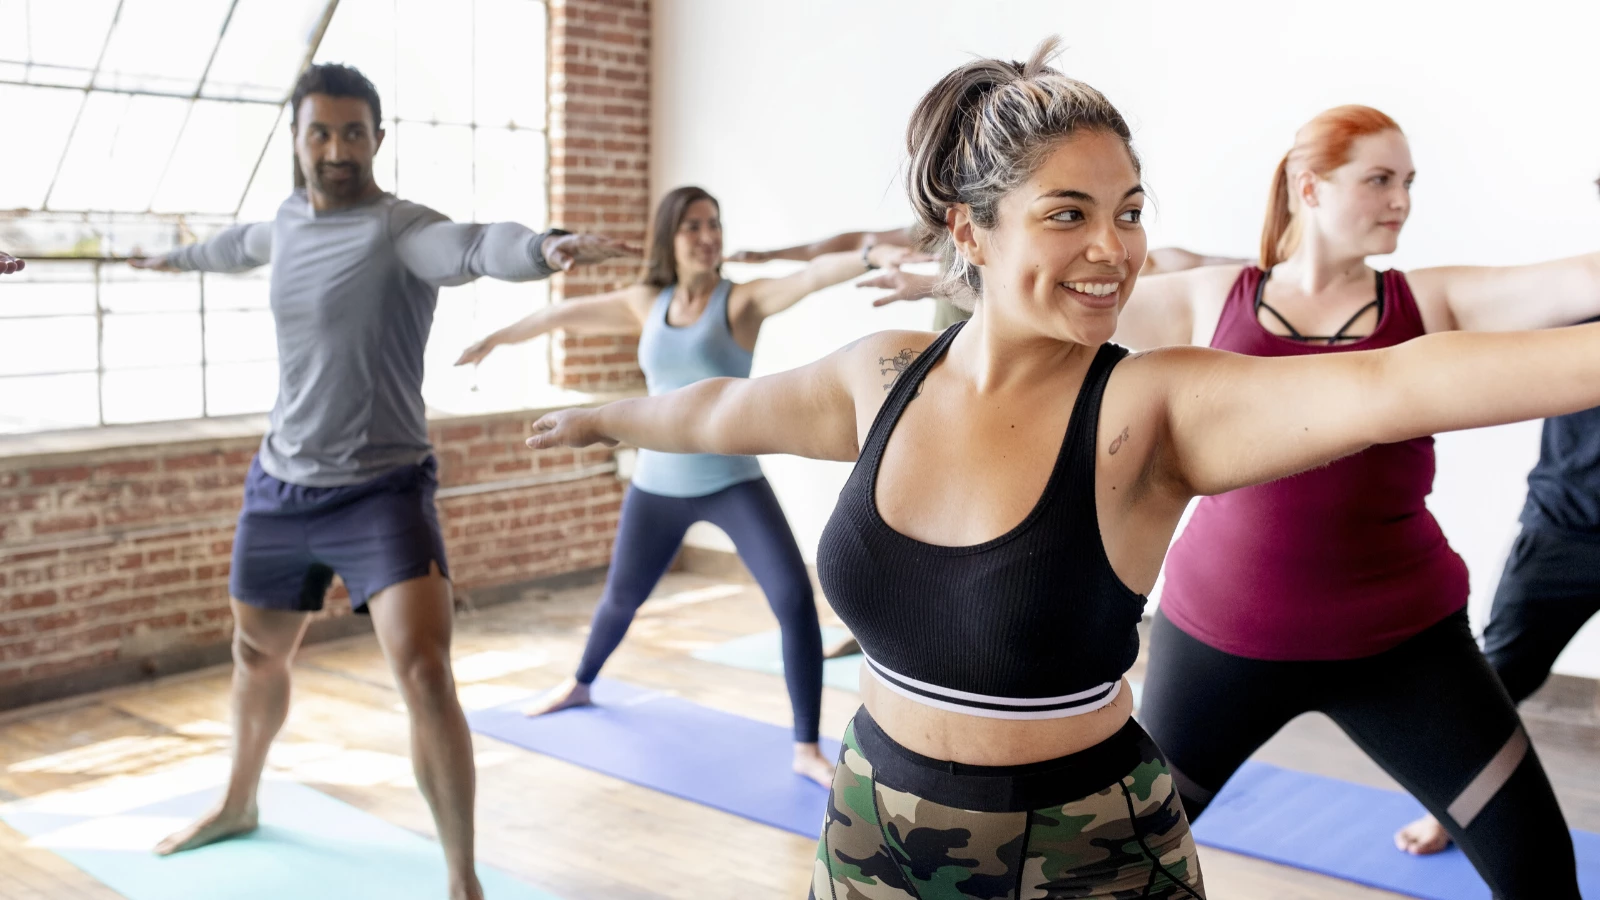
[{"x": 353, "y": 293}]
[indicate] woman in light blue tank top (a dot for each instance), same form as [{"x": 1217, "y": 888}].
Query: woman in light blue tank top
[{"x": 693, "y": 324}]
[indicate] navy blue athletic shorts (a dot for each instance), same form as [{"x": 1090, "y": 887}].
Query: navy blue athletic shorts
[{"x": 292, "y": 539}]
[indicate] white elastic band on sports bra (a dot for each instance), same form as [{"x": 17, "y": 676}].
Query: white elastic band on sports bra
[{"x": 968, "y": 703}]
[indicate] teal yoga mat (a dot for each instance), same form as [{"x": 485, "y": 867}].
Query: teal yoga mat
[
  {"x": 763, "y": 652},
  {"x": 310, "y": 847}
]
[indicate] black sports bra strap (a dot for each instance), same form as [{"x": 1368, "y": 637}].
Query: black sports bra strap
[
  {"x": 908, "y": 374},
  {"x": 1085, "y": 427}
]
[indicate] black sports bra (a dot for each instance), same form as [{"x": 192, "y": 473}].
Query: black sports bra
[{"x": 1033, "y": 624}]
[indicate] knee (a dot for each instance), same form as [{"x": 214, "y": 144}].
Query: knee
[
  {"x": 424, "y": 673},
  {"x": 256, "y": 660},
  {"x": 795, "y": 598}
]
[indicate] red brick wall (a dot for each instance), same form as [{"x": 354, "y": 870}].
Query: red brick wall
[
  {"x": 599, "y": 165},
  {"x": 118, "y": 555}
]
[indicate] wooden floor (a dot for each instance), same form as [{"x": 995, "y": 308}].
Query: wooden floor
[{"x": 560, "y": 827}]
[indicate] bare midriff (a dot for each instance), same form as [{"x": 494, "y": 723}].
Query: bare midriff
[{"x": 983, "y": 741}]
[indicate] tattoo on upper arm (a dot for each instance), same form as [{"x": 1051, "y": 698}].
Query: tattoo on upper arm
[
  {"x": 898, "y": 364},
  {"x": 1120, "y": 440}
]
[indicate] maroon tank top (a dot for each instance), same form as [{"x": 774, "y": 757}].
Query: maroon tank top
[{"x": 1340, "y": 562}]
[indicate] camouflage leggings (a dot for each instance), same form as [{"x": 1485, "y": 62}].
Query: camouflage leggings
[{"x": 1129, "y": 840}]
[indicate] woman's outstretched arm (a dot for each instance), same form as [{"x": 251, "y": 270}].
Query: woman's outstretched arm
[{"x": 1235, "y": 420}]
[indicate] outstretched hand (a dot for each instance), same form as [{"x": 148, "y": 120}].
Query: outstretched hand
[
  {"x": 563, "y": 251},
  {"x": 153, "y": 263},
  {"x": 568, "y": 428},
  {"x": 893, "y": 256},
  {"x": 903, "y": 285},
  {"x": 10, "y": 264},
  {"x": 476, "y": 352}
]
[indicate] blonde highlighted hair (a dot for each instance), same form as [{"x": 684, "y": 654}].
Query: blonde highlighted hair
[{"x": 979, "y": 133}]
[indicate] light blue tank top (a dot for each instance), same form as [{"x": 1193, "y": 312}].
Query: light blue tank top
[{"x": 674, "y": 357}]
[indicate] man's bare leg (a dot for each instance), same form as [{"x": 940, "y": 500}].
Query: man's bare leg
[
  {"x": 413, "y": 621},
  {"x": 264, "y": 643}
]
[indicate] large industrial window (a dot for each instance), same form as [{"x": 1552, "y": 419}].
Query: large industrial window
[{"x": 139, "y": 125}]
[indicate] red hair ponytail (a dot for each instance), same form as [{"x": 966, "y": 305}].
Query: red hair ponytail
[{"x": 1320, "y": 146}]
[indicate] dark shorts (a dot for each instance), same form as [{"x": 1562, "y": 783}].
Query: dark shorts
[{"x": 292, "y": 540}]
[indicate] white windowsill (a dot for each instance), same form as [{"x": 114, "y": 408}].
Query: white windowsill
[{"x": 15, "y": 447}]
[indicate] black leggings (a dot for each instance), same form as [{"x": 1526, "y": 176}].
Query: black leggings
[
  {"x": 1430, "y": 712},
  {"x": 649, "y": 534},
  {"x": 1550, "y": 588}
]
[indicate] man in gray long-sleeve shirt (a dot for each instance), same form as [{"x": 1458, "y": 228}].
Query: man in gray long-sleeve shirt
[{"x": 345, "y": 477}]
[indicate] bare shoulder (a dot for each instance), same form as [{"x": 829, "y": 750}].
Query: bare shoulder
[
  {"x": 640, "y": 297},
  {"x": 1160, "y": 369},
  {"x": 879, "y": 358}
]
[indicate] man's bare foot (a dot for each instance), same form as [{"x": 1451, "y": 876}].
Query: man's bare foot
[
  {"x": 469, "y": 890},
  {"x": 565, "y": 695},
  {"x": 845, "y": 646},
  {"x": 1422, "y": 837},
  {"x": 809, "y": 761},
  {"x": 217, "y": 825}
]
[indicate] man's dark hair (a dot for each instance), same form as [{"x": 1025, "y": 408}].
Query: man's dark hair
[{"x": 335, "y": 80}]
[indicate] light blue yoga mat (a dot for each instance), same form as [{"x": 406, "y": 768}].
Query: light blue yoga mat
[
  {"x": 310, "y": 847},
  {"x": 1347, "y": 831},
  {"x": 763, "y": 652},
  {"x": 672, "y": 745}
]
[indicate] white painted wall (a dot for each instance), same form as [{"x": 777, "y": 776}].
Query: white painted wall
[{"x": 793, "y": 114}]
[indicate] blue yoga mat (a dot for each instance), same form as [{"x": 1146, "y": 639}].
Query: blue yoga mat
[
  {"x": 669, "y": 744},
  {"x": 763, "y": 652},
  {"x": 1347, "y": 831},
  {"x": 310, "y": 847}
]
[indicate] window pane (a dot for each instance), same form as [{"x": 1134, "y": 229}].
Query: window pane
[
  {"x": 362, "y": 35},
  {"x": 435, "y": 167},
  {"x": 237, "y": 388},
  {"x": 240, "y": 337},
  {"x": 510, "y": 176},
  {"x": 152, "y": 339},
  {"x": 509, "y": 376},
  {"x": 59, "y": 34},
  {"x": 41, "y": 120},
  {"x": 49, "y": 289},
  {"x": 212, "y": 164},
  {"x": 262, "y": 49},
  {"x": 509, "y": 63},
  {"x": 230, "y": 292},
  {"x": 152, "y": 395},
  {"x": 274, "y": 179},
  {"x": 124, "y": 289},
  {"x": 162, "y": 45},
  {"x": 433, "y": 58},
  {"x": 33, "y": 346},
  {"x": 118, "y": 152},
  {"x": 48, "y": 402}
]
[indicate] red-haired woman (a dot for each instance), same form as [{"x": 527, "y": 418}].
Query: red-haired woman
[{"x": 1335, "y": 590}]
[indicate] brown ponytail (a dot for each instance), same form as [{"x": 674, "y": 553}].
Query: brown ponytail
[
  {"x": 979, "y": 133},
  {"x": 1320, "y": 146}
]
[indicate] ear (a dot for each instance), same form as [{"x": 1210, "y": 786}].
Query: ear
[
  {"x": 1305, "y": 188},
  {"x": 965, "y": 234},
  {"x": 378, "y": 144}
]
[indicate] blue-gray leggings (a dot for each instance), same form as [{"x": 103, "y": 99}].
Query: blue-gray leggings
[{"x": 648, "y": 536}]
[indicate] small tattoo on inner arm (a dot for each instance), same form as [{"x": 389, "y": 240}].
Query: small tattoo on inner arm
[
  {"x": 898, "y": 364},
  {"x": 1120, "y": 440}
]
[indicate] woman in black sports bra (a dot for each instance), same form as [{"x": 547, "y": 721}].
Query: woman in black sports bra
[{"x": 992, "y": 548}]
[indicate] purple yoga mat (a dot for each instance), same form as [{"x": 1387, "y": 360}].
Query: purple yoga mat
[{"x": 669, "y": 744}]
